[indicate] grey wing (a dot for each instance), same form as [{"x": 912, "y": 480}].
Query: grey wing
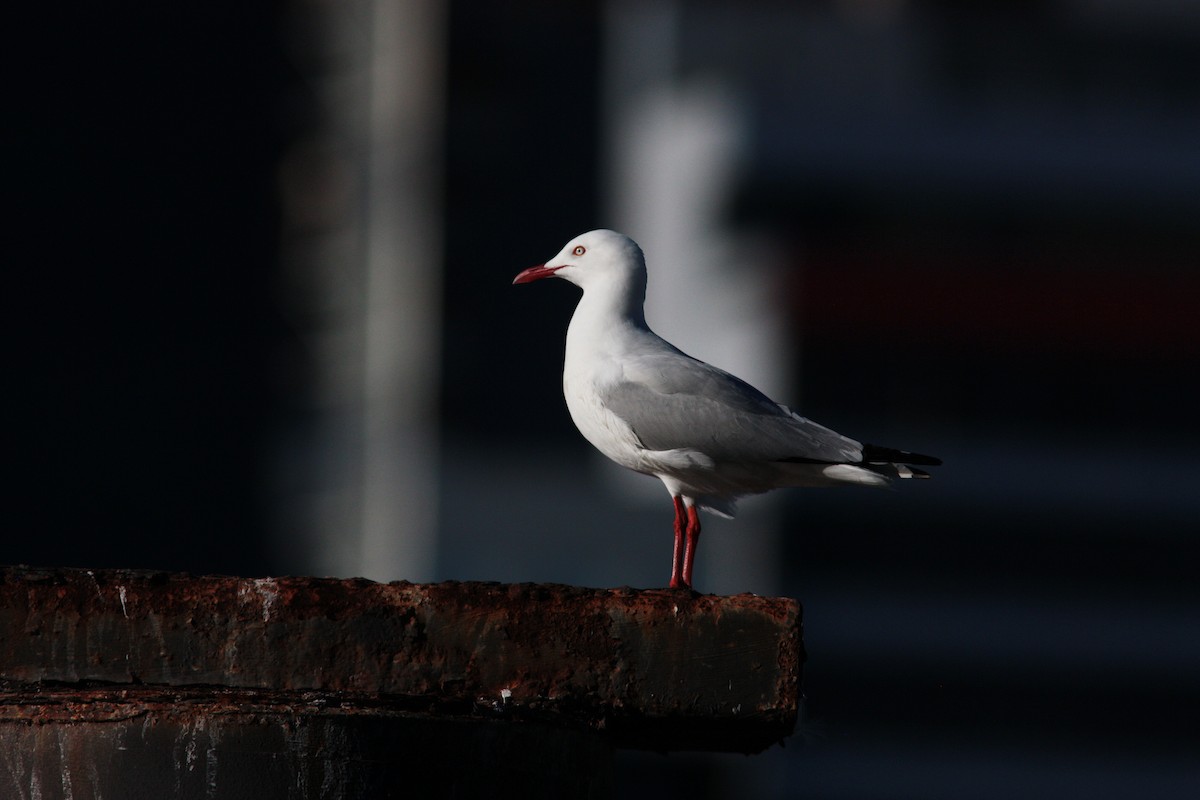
[{"x": 673, "y": 401}]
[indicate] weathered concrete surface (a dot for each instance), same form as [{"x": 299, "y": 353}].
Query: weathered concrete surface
[
  {"x": 148, "y": 684},
  {"x": 660, "y": 669},
  {"x": 247, "y": 745}
]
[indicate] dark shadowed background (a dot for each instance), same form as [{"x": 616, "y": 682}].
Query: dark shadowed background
[{"x": 964, "y": 230}]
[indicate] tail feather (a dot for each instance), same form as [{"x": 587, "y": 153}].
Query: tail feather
[
  {"x": 874, "y": 454},
  {"x": 898, "y": 463},
  {"x": 885, "y": 461}
]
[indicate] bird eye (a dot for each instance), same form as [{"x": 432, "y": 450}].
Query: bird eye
[{"x": 580, "y": 250}]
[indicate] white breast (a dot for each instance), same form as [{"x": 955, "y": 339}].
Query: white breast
[{"x": 606, "y": 432}]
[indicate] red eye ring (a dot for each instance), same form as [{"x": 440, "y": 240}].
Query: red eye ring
[{"x": 579, "y": 250}]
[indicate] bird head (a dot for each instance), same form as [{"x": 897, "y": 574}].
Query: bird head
[{"x": 591, "y": 258}]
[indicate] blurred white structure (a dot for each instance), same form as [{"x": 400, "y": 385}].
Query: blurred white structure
[{"x": 363, "y": 241}]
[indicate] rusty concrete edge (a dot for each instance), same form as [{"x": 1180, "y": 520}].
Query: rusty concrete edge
[{"x": 48, "y": 700}]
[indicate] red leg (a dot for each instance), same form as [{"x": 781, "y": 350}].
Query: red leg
[
  {"x": 677, "y": 554},
  {"x": 693, "y": 541}
]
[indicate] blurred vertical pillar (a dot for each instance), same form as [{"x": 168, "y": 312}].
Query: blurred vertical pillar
[
  {"x": 362, "y": 236},
  {"x": 674, "y": 147},
  {"x": 399, "y": 520}
]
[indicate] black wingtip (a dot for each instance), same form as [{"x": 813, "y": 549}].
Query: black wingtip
[{"x": 873, "y": 454}]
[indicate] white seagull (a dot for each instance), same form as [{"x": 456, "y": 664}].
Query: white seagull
[{"x": 707, "y": 435}]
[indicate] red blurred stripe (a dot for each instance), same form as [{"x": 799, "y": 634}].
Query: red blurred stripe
[{"x": 1130, "y": 312}]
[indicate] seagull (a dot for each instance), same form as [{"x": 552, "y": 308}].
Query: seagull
[{"x": 708, "y": 436}]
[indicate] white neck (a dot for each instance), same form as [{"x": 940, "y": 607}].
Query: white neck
[
  {"x": 608, "y": 317},
  {"x": 616, "y": 298}
]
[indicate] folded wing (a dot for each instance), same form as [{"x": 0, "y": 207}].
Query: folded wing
[{"x": 673, "y": 401}]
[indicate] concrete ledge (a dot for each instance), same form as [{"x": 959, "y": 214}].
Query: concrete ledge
[{"x": 657, "y": 669}]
